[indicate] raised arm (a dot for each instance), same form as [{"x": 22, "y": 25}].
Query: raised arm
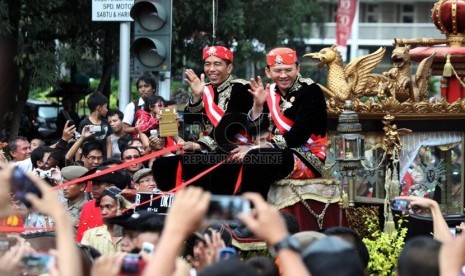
[
  {"x": 196, "y": 84},
  {"x": 268, "y": 224},
  {"x": 70, "y": 155},
  {"x": 49, "y": 204},
  {"x": 440, "y": 228},
  {"x": 259, "y": 93}
]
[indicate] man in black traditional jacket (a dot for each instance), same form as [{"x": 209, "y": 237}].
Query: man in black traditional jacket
[
  {"x": 220, "y": 107},
  {"x": 297, "y": 108}
]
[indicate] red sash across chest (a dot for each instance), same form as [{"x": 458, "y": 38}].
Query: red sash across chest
[
  {"x": 215, "y": 113},
  {"x": 315, "y": 143}
]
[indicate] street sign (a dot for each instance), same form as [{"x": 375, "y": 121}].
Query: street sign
[{"x": 111, "y": 10}]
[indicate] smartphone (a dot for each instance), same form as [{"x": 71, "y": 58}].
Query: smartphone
[
  {"x": 6, "y": 243},
  {"x": 148, "y": 247},
  {"x": 133, "y": 264},
  {"x": 95, "y": 128},
  {"x": 401, "y": 205},
  {"x": 35, "y": 263},
  {"x": 227, "y": 207},
  {"x": 153, "y": 132},
  {"x": 22, "y": 185}
]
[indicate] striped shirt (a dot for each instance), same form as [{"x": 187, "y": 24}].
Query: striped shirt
[{"x": 100, "y": 239}]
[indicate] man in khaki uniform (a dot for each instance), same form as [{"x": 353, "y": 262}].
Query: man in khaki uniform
[{"x": 75, "y": 194}]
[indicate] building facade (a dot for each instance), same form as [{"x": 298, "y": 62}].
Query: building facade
[{"x": 379, "y": 23}]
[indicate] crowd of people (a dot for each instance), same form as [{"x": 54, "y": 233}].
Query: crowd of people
[{"x": 88, "y": 188}]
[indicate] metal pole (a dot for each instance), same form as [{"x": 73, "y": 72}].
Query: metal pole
[
  {"x": 124, "y": 64},
  {"x": 351, "y": 180},
  {"x": 165, "y": 86}
]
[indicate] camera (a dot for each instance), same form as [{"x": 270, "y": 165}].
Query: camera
[
  {"x": 147, "y": 247},
  {"x": 95, "y": 128},
  {"x": 133, "y": 264},
  {"x": 226, "y": 208},
  {"x": 45, "y": 174},
  {"x": 22, "y": 185}
]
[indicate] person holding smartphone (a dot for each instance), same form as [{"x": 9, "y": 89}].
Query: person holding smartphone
[
  {"x": 148, "y": 118},
  {"x": 441, "y": 230},
  {"x": 98, "y": 125},
  {"x": 36, "y": 193}
]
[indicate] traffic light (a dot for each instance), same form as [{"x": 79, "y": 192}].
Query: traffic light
[{"x": 151, "y": 46}]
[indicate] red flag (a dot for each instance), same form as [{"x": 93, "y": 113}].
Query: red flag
[{"x": 344, "y": 18}]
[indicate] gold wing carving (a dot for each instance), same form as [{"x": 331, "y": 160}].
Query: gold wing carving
[
  {"x": 357, "y": 70},
  {"x": 422, "y": 78}
]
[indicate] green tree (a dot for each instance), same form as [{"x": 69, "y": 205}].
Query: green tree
[
  {"x": 38, "y": 38},
  {"x": 251, "y": 27}
]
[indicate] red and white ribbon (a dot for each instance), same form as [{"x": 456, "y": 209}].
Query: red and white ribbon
[
  {"x": 213, "y": 111},
  {"x": 284, "y": 124}
]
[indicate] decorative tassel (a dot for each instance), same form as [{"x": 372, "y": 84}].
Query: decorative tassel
[
  {"x": 394, "y": 189},
  {"x": 345, "y": 200},
  {"x": 447, "y": 71},
  {"x": 389, "y": 225}
]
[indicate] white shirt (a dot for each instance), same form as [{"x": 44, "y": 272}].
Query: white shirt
[
  {"x": 129, "y": 111},
  {"x": 24, "y": 165},
  {"x": 115, "y": 152}
]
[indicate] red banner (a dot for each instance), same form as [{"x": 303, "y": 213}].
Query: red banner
[{"x": 344, "y": 18}]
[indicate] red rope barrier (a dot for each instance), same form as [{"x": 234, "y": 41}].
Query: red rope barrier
[{"x": 119, "y": 167}]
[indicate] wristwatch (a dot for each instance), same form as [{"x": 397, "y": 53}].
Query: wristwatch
[{"x": 288, "y": 242}]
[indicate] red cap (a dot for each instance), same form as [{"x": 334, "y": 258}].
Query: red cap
[
  {"x": 218, "y": 51},
  {"x": 281, "y": 56}
]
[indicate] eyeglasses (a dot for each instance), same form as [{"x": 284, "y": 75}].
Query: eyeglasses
[
  {"x": 94, "y": 158},
  {"x": 129, "y": 157}
]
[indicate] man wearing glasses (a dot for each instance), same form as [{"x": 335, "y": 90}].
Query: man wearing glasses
[
  {"x": 92, "y": 154},
  {"x": 127, "y": 155}
]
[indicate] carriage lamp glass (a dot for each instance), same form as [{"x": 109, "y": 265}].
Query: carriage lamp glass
[
  {"x": 349, "y": 147},
  {"x": 349, "y": 144}
]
